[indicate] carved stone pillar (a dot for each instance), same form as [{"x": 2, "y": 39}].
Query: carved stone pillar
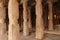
[
  {"x": 50, "y": 15},
  {"x": 2, "y": 19},
  {"x": 13, "y": 14},
  {"x": 39, "y": 20},
  {"x": 25, "y": 17},
  {"x": 29, "y": 19}
]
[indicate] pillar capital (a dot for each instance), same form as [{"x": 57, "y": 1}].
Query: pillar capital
[{"x": 49, "y": 1}]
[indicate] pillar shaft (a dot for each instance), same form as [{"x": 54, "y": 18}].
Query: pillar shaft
[
  {"x": 50, "y": 26},
  {"x": 39, "y": 20},
  {"x": 29, "y": 20},
  {"x": 13, "y": 14},
  {"x": 2, "y": 18},
  {"x": 2, "y": 21},
  {"x": 25, "y": 17}
]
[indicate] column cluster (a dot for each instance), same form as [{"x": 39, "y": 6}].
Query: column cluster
[{"x": 13, "y": 15}]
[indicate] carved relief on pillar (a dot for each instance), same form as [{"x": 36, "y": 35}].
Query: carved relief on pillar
[
  {"x": 13, "y": 13},
  {"x": 2, "y": 18},
  {"x": 25, "y": 17},
  {"x": 39, "y": 20}
]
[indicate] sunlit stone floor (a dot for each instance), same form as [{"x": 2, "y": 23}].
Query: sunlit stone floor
[
  {"x": 46, "y": 37},
  {"x": 32, "y": 37}
]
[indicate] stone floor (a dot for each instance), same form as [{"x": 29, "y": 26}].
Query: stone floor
[
  {"x": 47, "y": 37},
  {"x": 32, "y": 37}
]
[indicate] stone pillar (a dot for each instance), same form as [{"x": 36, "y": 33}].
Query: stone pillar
[
  {"x": 39, "y": 20},
  {"x": 2, "y": 19},
  {"x": 13, "y": 13},
  {"x": 25, "y": 18},
  {"x": 50, "y": 15},
  {"x": 29, "y": 19}
]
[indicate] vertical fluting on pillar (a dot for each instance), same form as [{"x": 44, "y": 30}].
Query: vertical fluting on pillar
[
  {"x": 25, "y": 18},
  {"x": 2, "y": 19},
  {"x": 39, "y": 20},
  {"x": 13, "y": 13},
  {"x": 50, "y": 15}
]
